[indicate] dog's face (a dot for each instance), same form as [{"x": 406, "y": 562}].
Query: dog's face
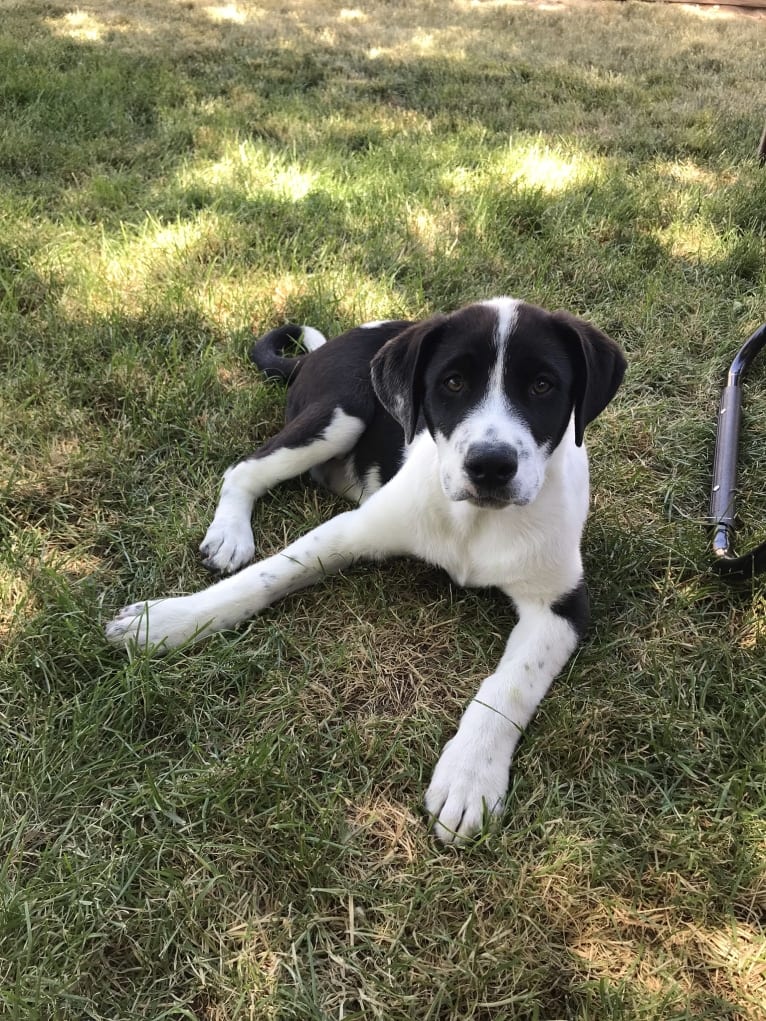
[{"x": 496, "y": 385}]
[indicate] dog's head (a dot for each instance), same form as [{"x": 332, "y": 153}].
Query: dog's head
[{"x": 497, "y": 384}]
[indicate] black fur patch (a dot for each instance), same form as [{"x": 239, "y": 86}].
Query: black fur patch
[{"x": 575, "y": 607}]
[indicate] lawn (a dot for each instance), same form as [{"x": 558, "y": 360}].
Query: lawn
[{"x": 235, "y": 831}]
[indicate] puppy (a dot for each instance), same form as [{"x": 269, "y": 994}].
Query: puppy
[{"x": 460, "y": 439}]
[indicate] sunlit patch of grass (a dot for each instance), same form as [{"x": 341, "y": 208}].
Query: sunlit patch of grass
[
  {"x": 529, "y": 165},
  {"x": 80, "y": 26},
  {"x": 227, "y": 12},
  {"x": 656, "y": 958},
  {"x": 251, "y": 169},
  {"x": 697, "y": 241}
]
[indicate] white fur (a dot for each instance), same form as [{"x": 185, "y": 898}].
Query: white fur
[
  {"x": 471, "y": 777},
  {"x": 312, "y": 338},
  {"x": 507, "y": 310},
  {"x": 492, "y": 421}
]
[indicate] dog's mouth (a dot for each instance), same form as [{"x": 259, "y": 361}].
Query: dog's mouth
[
  {"x": 497, "y": 498},
  {"x": 486, "y": 497},
  {"x": 489, "y": 501}
]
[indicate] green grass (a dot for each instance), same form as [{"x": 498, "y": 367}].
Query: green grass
[{"x": 235, "y": 832}]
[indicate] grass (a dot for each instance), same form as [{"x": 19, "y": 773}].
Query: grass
[{"x": 235, "y": 832}]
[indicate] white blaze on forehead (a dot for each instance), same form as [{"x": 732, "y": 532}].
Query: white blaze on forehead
[{"x": 507, "y": 312}]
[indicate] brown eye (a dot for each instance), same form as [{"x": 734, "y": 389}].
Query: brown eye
[
  {"x": 540, "y": 386},
  {"x": 454, "y": 383}
]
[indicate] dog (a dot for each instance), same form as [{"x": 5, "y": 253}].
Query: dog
[{"x": 460, "y": 439}]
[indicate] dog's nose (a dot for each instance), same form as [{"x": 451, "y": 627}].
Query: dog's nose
[{"x": 491, "y": 465}]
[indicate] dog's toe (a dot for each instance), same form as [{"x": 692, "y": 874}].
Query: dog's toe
[
  {"x": 209, "y": 547},
  {"x": 159, "y": 625}
]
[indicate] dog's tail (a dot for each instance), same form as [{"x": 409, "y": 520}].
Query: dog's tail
[{"x": 267, "y": 352}]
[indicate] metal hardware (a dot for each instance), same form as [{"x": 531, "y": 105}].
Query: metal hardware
[{"x": 722, "y": 496}]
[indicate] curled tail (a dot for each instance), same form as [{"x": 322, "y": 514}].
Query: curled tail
[{"x": 267, "y": 351}]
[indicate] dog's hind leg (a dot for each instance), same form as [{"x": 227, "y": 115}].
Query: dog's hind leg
[{"x": 303, "y": 444}]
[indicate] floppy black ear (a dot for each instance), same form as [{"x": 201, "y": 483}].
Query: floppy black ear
[
  {"x": 600, "y": 368},
  {"x": 397, "y": 371}
]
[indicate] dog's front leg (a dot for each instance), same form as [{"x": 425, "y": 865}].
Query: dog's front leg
[
  {"x": 163, "y": 624},
  {"x": 471, "y": 777}
]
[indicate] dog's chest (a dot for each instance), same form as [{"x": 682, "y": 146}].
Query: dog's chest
[
  {"x": 476, "y": 565},
  {"x": 516, "y": 547},
  {"x": 478, "y": 549}
]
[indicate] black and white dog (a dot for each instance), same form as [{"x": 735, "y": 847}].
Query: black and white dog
[{"x": 460, "y": 438}]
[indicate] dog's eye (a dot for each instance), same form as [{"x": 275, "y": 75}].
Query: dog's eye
[
  {"x": 540, "y": 386},
  {"x": 454, "y": 383}
]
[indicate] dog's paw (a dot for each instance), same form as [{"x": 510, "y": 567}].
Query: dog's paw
[
  {"x": 157, "y": 625},
  {"x": 468, "y": 787},
  {"x": 227, "y": 546}
]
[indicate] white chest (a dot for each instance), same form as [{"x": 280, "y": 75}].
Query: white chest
[{"x": 508, "y": 548}]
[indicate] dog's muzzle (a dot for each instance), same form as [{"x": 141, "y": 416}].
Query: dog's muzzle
[{"x": 490, "y": 469}]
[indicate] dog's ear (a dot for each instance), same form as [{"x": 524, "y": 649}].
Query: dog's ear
[
  {"x": 397, "y": 371},
  {"x": 600, "y": 368}
]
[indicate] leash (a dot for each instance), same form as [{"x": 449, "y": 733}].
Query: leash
[{"x": 722, "y": 496}]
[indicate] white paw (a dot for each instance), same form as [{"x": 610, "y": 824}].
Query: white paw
[
  {"x": 157, "y": 625},
  {"x": 227, "y": 546},
  {"x": 469, "y": 785}
]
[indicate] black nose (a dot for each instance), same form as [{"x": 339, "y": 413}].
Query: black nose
[{"x": 491, "y": 465}]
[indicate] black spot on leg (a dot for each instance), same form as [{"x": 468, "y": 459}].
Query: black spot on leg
[{"x": 575, "y": 607}]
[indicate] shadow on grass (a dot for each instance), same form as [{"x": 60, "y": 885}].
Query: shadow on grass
[
  {"x": 127, "y": 103},
  {"x": 126, "y": 126}
]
